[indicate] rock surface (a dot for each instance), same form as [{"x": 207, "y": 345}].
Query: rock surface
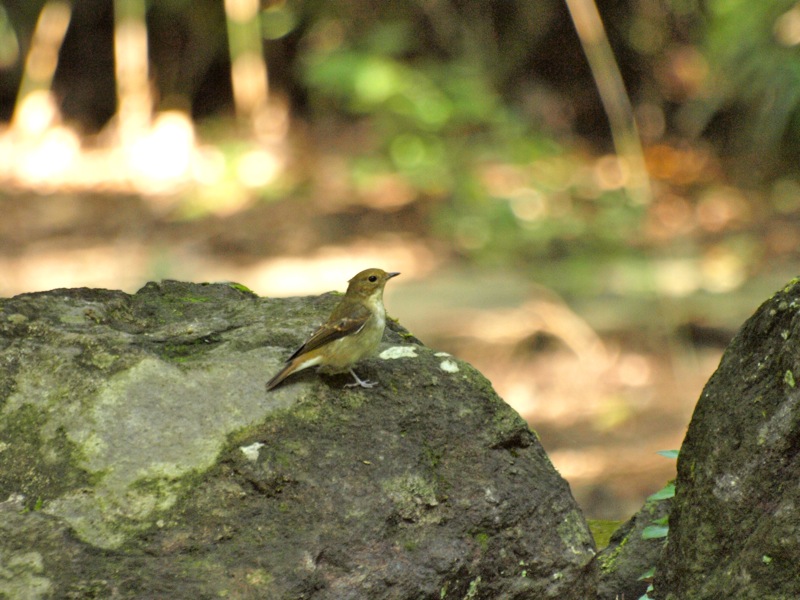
[
  {"x": 734, "y": 529},
  {"x": 629, "y": 555},
  {"x": 142, "y": 458}
]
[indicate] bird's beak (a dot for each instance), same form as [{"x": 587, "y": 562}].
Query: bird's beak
[{"x": 390, "y": 275}]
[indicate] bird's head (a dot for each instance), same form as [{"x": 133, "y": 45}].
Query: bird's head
[{"x": 369, "y": 283}]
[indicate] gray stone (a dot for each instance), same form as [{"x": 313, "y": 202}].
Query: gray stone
[
  {"x": 142, "y": 457},
  {"x": 734, "y": 529}
]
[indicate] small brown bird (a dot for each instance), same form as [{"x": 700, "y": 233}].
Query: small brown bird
[{"x": 352, "y": 332}]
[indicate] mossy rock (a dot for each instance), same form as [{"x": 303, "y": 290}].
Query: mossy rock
[
  {"x": 734, "y": 530},
  {"x": 142, "y": 457}
]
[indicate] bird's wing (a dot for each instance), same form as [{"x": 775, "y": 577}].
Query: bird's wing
[{"x": 338, "y": 326}]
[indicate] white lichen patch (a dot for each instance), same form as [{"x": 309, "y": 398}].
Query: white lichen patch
[
  {"x": 251, "y": 451},
  {"x": 728, "y": 488},
  {"x": 399, "y": 352},
  {"x": 449, "y": 366}
]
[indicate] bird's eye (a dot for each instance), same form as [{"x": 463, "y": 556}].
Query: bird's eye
[{"x": 373, "y": 278}]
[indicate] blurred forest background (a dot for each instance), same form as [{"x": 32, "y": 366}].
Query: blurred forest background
[{"x": 585, "y": 200}]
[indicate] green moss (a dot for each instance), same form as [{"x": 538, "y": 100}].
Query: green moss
[
  {"x": 184, "y": 351},
  {"x": 608, "y": 562},
  {"x": 572, "y": 529},
  {"x": 413, "y": 497},
  {"x": 241, "y": 288},
  {"x": 602, "y": 530},
  {"x": 472, "y": 591},
  {"x": 482, "y": 540},
  {"x": 22, "y": 576},
  {"x": 433, "y": 456},
  {"x": 194, "y": 299},
  {"x": 477, "y": 379},
  {"x": 410, "y": 545},
  {"x": 40, "y": 468},
  {"x": 103, "y": 360},
  {"x": 790, "y": 285}
]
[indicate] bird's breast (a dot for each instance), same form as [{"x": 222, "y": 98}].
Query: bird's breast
[{"x": 345, "y": 352}]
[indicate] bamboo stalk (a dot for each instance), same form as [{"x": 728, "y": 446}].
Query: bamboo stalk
[
  {"x": 248, "y": 67},
  {"x": 613, "y": 95},
  {"x": 131, "y": 66},
  {"x": 40, "y": 64}
]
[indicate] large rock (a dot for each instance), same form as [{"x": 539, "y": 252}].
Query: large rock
[
  {"x": 142, "y": 458},
  {"x": 734, "y": 529}
]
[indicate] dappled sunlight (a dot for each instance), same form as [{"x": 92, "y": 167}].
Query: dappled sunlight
[
  {"x": 128, "y": 265},
  {"x": 719, "y": 270},
  {"x": 34, "y": 115},
  {"x": 612, "y": 172},
  {"x": 111, "y": 266},
  {"x": 601, "y": 427},
  {"x": 329, "y": 268},
  {"x": 165, "y": 158},
  {"x": 606, "y": 463},
  {"x": 787, "y": 27},
  {"x": 601, "y": 408},
  {"x": 722, "y": 207},
  {"x": 152, "y": 153},
  {"x": 682, "y": 165},
  {"x": 258, "y": 168},
  {"x": 161, "y": 158},
  {"x": 549, "y": 316}
]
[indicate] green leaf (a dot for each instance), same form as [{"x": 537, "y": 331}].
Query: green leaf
[
  {"x": 668, "y": 491},
  {"x": 654, "y": 532},
  {"x": 647, "y": 574},
  {"x": 669, "y": 453}
]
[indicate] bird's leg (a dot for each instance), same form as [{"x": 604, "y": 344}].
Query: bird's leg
[{"x": 364, "y": 383}]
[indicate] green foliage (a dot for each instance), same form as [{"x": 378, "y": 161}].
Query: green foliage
[
  {"x": 440, "y": 124},
  {"x": 655, "y": 532},
  {"x": 647, "y": 576},
  {"x": 753, "y": 52},
  {"x": 659, "y": 528}
]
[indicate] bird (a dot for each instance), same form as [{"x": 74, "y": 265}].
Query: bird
[{"x": 352, "y": 332}]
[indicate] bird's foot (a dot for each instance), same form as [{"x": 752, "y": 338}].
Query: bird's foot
[{"x": 364, "y": 383}]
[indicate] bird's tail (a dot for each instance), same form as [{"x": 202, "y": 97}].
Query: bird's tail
[
  {"x": 287, "y": 370},
  {"x": 296, "y": 364}
]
